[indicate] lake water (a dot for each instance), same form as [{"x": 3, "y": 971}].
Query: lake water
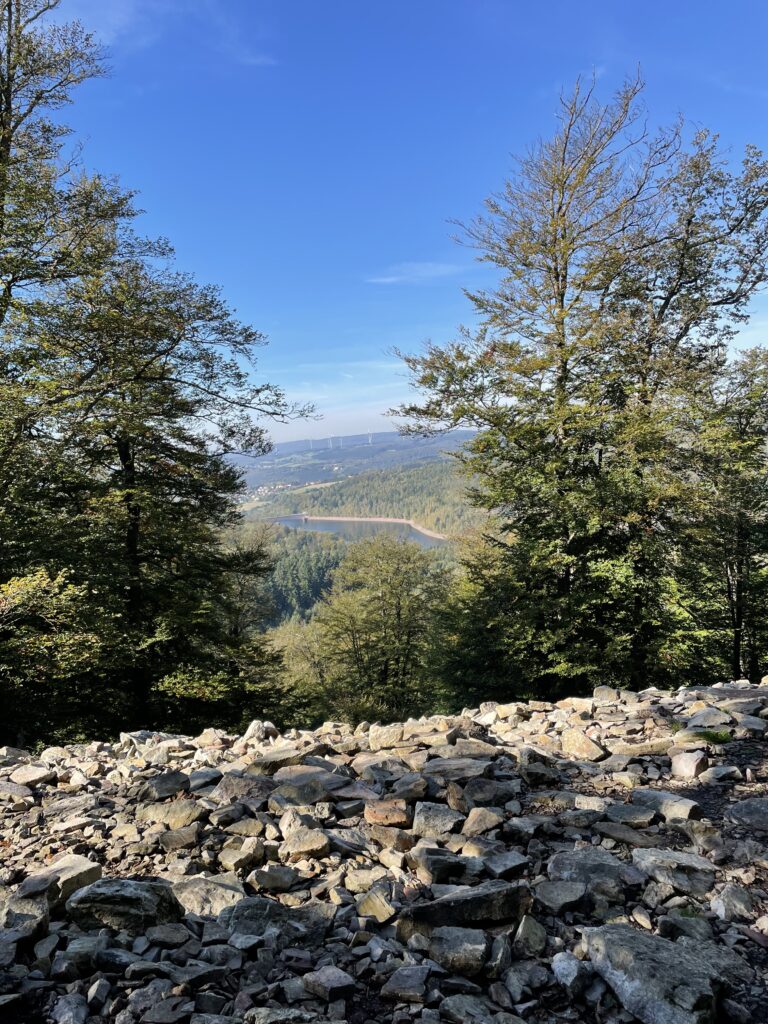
[{"x": 361, "y": 530}]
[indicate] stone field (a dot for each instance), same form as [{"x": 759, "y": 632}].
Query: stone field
[{"x": 601, "y": 859}]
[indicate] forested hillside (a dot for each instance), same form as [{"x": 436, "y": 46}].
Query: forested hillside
[
  {"x": 616, "y": 440},
  {"x": 432, "y": 494},
  {"x": 303, "y": 566}
]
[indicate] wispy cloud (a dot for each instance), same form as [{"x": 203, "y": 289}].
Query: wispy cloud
[
  {"x": 137, "y": 24},
  {"x": 414, "y": 273}
]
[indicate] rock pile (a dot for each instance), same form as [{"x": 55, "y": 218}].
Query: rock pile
[{"x": 600, "y": 859}]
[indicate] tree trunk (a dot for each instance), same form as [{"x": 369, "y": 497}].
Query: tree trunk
[{"x": 138, "y": 679}]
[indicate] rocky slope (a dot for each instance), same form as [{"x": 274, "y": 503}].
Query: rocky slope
[{"x": 598, "y": 859}]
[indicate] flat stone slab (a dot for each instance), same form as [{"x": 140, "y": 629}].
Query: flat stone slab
[
  {"x": 655, "y": 979},
  {"x": 752, "y": 813}
]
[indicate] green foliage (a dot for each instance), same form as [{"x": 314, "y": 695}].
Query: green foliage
[
  {"x": 125, "y": 387},
  {"x": 595, "y": 381},
  {"x": 716, "y": 736},
  {"x": 303, "y": 564},
  {"x": 431, "y": 494},
  {"x": 368, "y": 650}
]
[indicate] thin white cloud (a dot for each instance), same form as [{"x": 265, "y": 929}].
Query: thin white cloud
[
  {"x": 415, "y": 273},
  {"x": 137, "y": 24}
]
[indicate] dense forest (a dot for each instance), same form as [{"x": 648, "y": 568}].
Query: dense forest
[
  {"x": 303, "y": 564},
  {"x": 615, "y": 526},
  {"x": 432, "y": 494}
]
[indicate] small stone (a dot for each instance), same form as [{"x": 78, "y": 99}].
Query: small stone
[
  {"x": 394, "y": 813},
  {"x": 304, "y": 843},
  {"x": 480, "y": 820},
  {"x": 752, "y": 812},
  {"x": 329, "y": 983},
  {"x": 376, "y": 904},
  {"x": 669, "y": 805},
  {"x": 578, "y": 745},
  {"x": 686, "y": 872},
  {"x": 460, "y": 950},
  {"x": 406, "y": 985},
  {"x": 733, "y": 903},
  {"x": 164, "y": 785},
  {"x": 435, "y": 820},
  {"x": 571, "y": 973},
  {"x": 690, "y": 764},
  {"x": 510, "y": 864},
  {"x": 530, "y": 938}
]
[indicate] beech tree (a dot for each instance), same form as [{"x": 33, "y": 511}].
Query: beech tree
[
  {"x": 369, "y": 650},
  {"x": 626, "y": 262}
]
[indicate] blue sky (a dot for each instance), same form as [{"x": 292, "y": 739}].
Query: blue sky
[{"x": 309, "y": 156}]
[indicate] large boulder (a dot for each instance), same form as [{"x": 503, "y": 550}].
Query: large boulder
[
  {"x": 658, "y": 981},
  {"x": 489, "y": 902},
  {"x": 752, "y": 812},
  {"x": 125, "y": 905}
]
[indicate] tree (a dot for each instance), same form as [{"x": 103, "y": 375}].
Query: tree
[
  {"x": 726, "y": 544},
  {"x": 56, "y": 222},
  {"x": 367, "y": 653},
  {"x": 626, "y": 261},
  {"x": 135, "y": 487}
]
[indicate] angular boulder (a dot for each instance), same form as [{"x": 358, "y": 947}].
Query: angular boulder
[
  {"x": 125, "y": 905},
  {"x": 655, "y": 979}
]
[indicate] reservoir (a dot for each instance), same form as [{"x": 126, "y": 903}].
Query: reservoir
[{"x": 361, "y": 529}]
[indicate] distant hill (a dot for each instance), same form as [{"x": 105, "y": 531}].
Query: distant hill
[
  {"x": 295, "y": 463},
  {"x": 431, "y": 493}
]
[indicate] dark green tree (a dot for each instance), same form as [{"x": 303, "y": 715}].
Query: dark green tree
[
  {"x": 135, "y": 488},
  {"x": 368, "y": 651}
]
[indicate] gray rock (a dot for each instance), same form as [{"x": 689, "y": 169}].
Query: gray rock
[
  {"x": 305, "y": 842},
  {"x": 509, "y": 864},
  {"x": 488, "y": 902},
  {"x": 164, "y": 785},
  {"x": 752, "y": 812},
  {"x": 733, "y": 903},
  {"x": 686, "y": 872},
  {"x": 329, "y": 983},
  {"x": 66, "y": 875},
  {"x": 461, "y": 1008},
  {"x": 559, "y": 896},
  {"x": 689, "y": 764},
  {"x": 530, "y": 938},
  {"x": 578, "y": 745},
  {"x": 599, "y": 870},
  {"x": 257, "y": 915},
  {"x": 274, "y": 878},
  {"x": 406, "y": 985},
  {"x": 653, "y": 978},
  {"x": 381, "y": 737},
  {"x": 460, "y": 950},
  {"x": 435, "y": 820},
  {"x": 23, "y": 918},
  {"x": 175, "y": 814},
  {"x": 208, "y": 896},
  {"x": 573, "y": 974},
  {"x": 125, "y": 905},
  {"x": 669, "y": 805},
  {"x": 70, "y": 1009},
  {"x": 709, "y": 718}
]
